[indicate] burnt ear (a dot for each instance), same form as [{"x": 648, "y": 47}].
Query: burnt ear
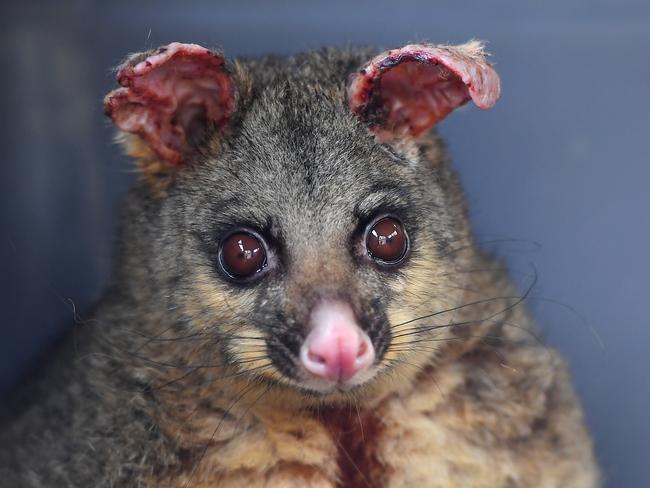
[
  {"x": 171, "y": 98},
  {"x": 405, "y": 92}
]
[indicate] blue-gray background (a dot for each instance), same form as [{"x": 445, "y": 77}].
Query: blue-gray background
[{"x": 557, "y": 173}]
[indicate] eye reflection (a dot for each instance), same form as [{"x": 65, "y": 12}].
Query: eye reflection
[
  {"x": 386, "y": 240},
  {"x": 242, "y": 255}
]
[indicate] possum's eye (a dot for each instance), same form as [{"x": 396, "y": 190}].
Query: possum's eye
[
  {"x": 242, "y": 255},
  {"x": 386, "y": 240}
]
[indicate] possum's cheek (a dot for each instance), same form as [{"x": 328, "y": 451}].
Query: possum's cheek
[
  {"x": 419, "y": 314},
  {"x": 247, "y": 351},
  {"x": 224, "y": 321}
]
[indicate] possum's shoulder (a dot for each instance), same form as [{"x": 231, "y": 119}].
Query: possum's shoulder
[{"x": 79, "y": 410}]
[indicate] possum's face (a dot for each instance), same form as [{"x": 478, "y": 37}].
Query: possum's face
[{"x": 306, "y": 234}]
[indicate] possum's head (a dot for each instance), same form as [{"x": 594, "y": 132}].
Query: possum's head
[{"x": 296, "y": 213}]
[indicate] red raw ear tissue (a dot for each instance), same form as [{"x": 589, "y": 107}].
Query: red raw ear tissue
[
  {"x": 406, "y": 91},
  {"x": 171, "y": 97}
]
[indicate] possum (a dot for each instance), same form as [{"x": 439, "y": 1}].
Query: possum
[{"x": 299, "y": 300}]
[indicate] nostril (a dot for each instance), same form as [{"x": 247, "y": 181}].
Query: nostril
[
  {"x": 363, "y": 348},
  {"x": 316, "y": 358},
  {"x": 365, "y": 354}
]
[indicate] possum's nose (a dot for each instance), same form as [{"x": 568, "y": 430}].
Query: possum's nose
[{"x": 336, "y": 348}]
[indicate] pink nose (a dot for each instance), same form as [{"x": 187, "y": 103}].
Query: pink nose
[{"x": 336, "y": 348}]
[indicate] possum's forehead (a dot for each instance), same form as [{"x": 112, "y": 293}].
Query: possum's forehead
[{"x": 303, "y": 160}]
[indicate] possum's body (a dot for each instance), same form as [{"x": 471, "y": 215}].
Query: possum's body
[{"x": 139, "y": 400}]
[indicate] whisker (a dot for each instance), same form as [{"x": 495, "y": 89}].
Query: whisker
[
  {"x": 352, "y": 462},
  {"x": 403, "y": 361},
  {"x": 222, "y": 377},
  {"x": 238, "y": 397},
  {"x": 458, "y": 338},
  {"x": 249, "y": 408},
  {"x": 489, "y": 319},
  {"x": 356, "y": 405},
  {"x": 577, "y": 314},
  {"x": 496, "y": 350},
  {"x": 536, "y": 245},
  {"x": 518, "y": 300},
  {"x": 250, "y": 360}
]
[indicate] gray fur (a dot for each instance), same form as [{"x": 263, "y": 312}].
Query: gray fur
[{"x": 297, "y": 161}]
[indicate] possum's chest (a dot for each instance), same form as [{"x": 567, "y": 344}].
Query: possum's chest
[
  {"x": 328, "y": 448},
  {"x": 429, "y": 437}
]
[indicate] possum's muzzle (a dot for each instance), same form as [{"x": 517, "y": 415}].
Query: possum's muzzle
[
  {"x": 336, "y": 354},
  {"x": 336, "y": 348}
]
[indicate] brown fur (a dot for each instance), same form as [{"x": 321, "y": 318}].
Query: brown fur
[
  {"x": 172, "y": 383},
  {"x": 496, "y": 412}
]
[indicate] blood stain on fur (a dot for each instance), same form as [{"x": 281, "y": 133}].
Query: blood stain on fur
[{"x": 355, "y": 432}]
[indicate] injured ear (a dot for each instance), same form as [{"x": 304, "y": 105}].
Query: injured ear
[
  {"x": 171, "y": 97},
  {"x": 405, "y": 92}
]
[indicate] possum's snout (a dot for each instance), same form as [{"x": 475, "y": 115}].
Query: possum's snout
[{"x": 336, "y": 349}]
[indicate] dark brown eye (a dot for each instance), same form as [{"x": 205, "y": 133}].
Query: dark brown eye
[
  {"x": 386, "y": 240},
  {"x": 242, "y": 255}
]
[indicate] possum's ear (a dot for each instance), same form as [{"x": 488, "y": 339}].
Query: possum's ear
[
  {"x": 172, "y": 98},
  {"x": 405, "y": 92}
]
